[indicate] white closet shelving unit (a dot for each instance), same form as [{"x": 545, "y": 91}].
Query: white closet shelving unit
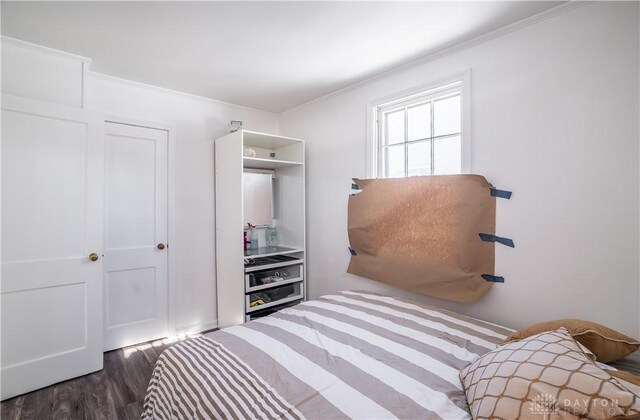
[{"x": 239, "y": 272}]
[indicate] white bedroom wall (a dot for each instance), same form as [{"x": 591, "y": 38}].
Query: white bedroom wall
[
  {"x": 555, "y": 119},
  {"x": 196, "y": 123}
]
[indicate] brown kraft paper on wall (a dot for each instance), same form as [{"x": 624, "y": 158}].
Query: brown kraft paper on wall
[{"x": 421, "y": 234}]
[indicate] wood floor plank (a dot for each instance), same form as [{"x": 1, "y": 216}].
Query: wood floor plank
[
  {"x": 130, "y": 411},
  {"x": 137, "y": 374},
  {"x": 34, "y": 405},
  {"x": 98, "y": 397},
  {"x": 120, "y": 391},
  {"x": 68, "y": 400},
  {"x": 12, "y": 409}
]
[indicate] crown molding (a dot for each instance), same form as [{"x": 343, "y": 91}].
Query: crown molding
[
  {"x": 87, "y": 61},
  {"x": 176, "y": 92},
  {"x": 436, "y": 55},
  {"x": 13, "y": 42}
]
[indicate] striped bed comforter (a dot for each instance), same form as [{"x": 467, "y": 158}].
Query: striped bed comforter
[{"x": 349, "y": 355}]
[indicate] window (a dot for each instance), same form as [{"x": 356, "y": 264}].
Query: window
[{"x": 421, "y": 134}]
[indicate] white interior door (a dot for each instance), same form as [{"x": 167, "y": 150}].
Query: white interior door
[
  {"x": 135, "y": 282},
  {"x": 52, "y": 220}
]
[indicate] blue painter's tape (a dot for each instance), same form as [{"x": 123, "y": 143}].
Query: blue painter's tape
[
  {"x": 500, "y": 193},
  {"x": 493, "y": 238},
  {"x": 493, "y": 279},
  {"x": 352, "y": 252}
]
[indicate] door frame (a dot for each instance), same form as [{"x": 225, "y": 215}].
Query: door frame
[{"x": 170, "y": 129}]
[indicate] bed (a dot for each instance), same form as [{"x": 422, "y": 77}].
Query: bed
[{"x": 348, "y": 355}]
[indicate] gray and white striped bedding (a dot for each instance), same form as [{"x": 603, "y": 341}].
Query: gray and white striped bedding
[{"x": 349, "y": 355}]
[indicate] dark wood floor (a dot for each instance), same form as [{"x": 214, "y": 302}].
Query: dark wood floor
[{"x": 115, "y": 392}]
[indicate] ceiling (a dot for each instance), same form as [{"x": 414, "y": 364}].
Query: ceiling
[{"x": 266, "y": 55}]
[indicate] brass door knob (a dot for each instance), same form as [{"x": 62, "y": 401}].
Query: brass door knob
[
  {"x": 93, "y": 256},
  {"x": 160, "y": 247}
]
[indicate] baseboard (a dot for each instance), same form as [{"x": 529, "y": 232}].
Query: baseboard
[{"x": 197, "y": 328}]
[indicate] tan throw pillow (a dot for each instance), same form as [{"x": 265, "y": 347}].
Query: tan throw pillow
[
  {"x": 544, "y": 376},
  {"x": 607, "y": 344},
  {"x": 625, "y": 376}
]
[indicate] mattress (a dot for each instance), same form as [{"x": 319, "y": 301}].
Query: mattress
[{"x": 350, "y": 355}]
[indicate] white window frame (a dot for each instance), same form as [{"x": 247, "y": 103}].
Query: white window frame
[{"x": 374, "y": 140}]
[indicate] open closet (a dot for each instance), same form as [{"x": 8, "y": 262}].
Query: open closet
[{"x": 260, "y": 197}]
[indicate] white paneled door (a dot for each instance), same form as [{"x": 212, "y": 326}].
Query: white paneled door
[
  {"x": 135, "y": 272},
  {"x": 52, "y": 244}
]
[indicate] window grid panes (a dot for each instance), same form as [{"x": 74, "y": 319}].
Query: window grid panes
[{"x": 421, "y": 135}]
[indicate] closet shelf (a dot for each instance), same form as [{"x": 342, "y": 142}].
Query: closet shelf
[
  {"x": 260, "y": 163},
  {"x": 273, "y": 285},
  {"x": 254, "y": 268},
  {"x": 276, "y": 303},
  {"x": 268, "y": 251}
]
